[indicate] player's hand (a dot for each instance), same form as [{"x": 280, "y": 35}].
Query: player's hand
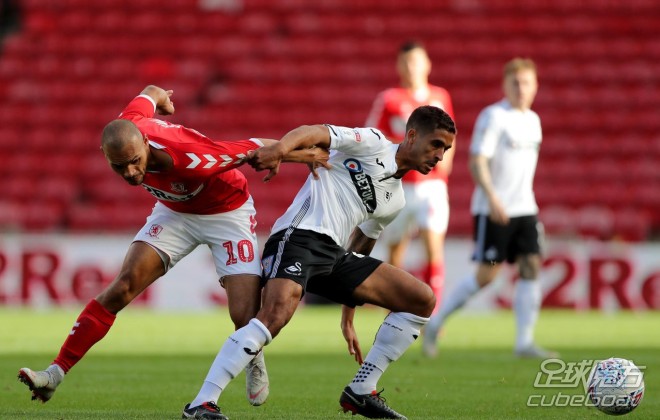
[
  {"x": 320, "y": 158},
  {"x": 353, "y": 344},
  {"x": 274, "y": 171},
  {"x": 166, "y": 106},
  {"x": 497, "y": 213},
  {"x": 268, "y": 157}
]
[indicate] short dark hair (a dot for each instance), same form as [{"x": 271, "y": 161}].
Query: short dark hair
[
  {"x": 428, "y": 118},
  {"x": 410, "y": 45}
]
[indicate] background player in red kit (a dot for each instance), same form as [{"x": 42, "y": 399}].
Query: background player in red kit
[
  {"x": 427, "y": 204},
  {"x": 202, "y": 199}
]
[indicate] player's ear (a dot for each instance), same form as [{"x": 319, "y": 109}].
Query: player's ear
[{"x": 411, "y": 135}]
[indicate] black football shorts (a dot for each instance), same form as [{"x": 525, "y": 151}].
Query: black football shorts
[
  {"x": 496, "y": 243},
  {"x": 317, "y": 263}
]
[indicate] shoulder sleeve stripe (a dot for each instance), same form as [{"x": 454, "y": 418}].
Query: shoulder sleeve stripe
[
  {"x": 150, "y": 99},
  {"x": 331, "y": 129}
]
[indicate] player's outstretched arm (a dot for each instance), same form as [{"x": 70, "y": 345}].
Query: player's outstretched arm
[
  {"x": 164, "y": 104},
  {"x": 314, "y": 157},
  {"x": 303, "y": 137}
]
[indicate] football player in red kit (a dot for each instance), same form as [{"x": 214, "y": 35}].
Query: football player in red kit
[
  {"x": 201, "y": 199},
  {"x": 427, "y": 202}
]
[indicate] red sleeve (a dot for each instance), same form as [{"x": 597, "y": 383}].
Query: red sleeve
[
  {"x": 206, "y": 157},
  {"x": 449, "y": 107},
  {"x": 138, "y": 107},
  {"x": 379, "y": 115}
]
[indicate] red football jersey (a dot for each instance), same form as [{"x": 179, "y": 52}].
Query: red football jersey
[
  {"x": 391, "y": 111},
  {"x": 203, "y": 179}
]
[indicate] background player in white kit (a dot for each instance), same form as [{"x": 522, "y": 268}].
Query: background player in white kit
[
  {"x": 346, "y": 209},
  {"x": 202, "y": 199},
  {"x": 503, "y": 155},
  {"x": 427, "y": 201}
]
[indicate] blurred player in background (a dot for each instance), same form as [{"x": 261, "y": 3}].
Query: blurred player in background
[
  {"x": 202, "y": 199},
  {"x": 503, "y": 155},
  {"x": 427, "y": 204},
  {"x": 322, "y": 242}
]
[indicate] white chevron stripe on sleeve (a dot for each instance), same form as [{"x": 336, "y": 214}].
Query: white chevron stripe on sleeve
[
  {"x": 195, "y": 160},
  {"x": 212, "y": 161},
  {"x": 226, "y": 160}
]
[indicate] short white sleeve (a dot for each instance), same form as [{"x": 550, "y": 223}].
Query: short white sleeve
[
  {"x": 486, "y": 134},
  {"x": 356, "y": 141},
  {"x": 372, "y": 228}
]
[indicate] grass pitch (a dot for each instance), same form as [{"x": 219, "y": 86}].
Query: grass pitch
[{"x": 152, "y": 363}]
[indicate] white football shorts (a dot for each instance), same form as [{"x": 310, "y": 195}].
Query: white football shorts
[
  {"x": 427, "y": 207},
  {"x": 231, "y": 237}
]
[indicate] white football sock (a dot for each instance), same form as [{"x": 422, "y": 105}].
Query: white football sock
[
  {"x": 526, "y": 304},
  {"x": 397, "y": 332},
  {"x": 453, "y": 301},
  {"x": 235, "y": 354}
]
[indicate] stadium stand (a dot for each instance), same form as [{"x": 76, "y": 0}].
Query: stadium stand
[{"x": 261, "y": 67}]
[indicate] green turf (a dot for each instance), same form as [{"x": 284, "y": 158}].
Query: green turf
[{"x": 152, "y": 363}]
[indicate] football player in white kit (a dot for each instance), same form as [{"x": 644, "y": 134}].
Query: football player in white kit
[
  {"x": 503, "y": 155},
  {"x": 321, "y": 245}
]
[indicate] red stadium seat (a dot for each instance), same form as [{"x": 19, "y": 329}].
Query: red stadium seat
[
  {"x": 32, "y": 216},
  {"x": 460, "y": 222},
  {"x": 270, "y": 66},
  {"x": 11, "y": 140},
  {"x": 11, "y": 213},
  {"x": 63, "y": 190},
  {"x": 19, "y": 188},
  {"x": 116, "y": 218},
  {"x": 632, "y": 224},
  {"x": 43, "y": 215},
  {"x": 596, "y": 222},
  {"x": 558, "y": 220}
]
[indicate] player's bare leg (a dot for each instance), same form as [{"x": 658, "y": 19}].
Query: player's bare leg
[
  {"x": 280, "y": 301},
  {"x": 142, "y": 266}
]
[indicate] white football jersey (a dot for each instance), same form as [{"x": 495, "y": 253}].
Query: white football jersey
[
  {"x": 510, "y": 139},
  {"x": 352, "y": 193}
]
